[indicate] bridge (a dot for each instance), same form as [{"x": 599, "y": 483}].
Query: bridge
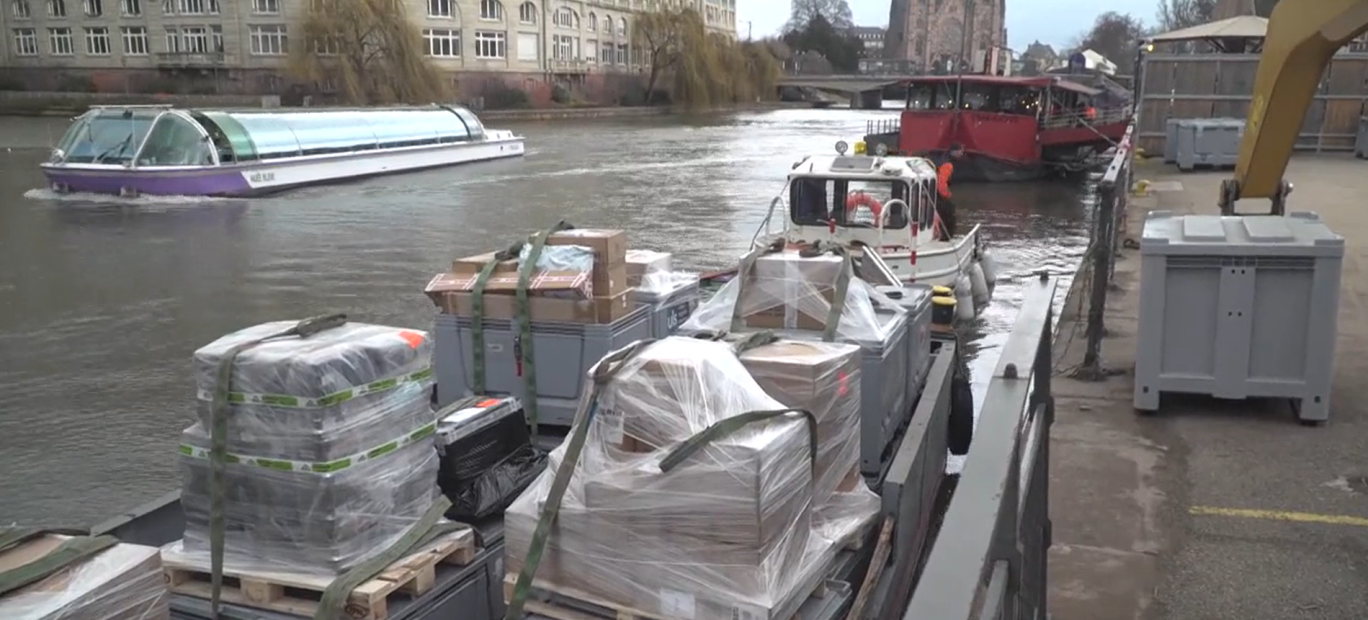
[{"x": 865, "y": 91}]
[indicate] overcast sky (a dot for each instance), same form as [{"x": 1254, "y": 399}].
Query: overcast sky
[{"x": 1056, "y": 22}]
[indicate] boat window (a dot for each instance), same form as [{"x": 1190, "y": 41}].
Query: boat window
[
  {"x": 931, "y": 96},
  {"x": 980, "y": 97},
  {"x": 821, "y": 202},
  {"x": 472, "y": 122},
  {"x": 239, "y": 141},
  {"x": 1020, "y": 100},
  {"x": 400, "y": 128},
  {"x": 324, "y": 133},
  {"x": 175, "y": 141},
  {"x": 272, "y": 135},
  {"x": 107, "y": 136}
]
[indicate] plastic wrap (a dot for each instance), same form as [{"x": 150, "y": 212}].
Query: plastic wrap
[
  {"x": 726, "y": 534},
  {"x": 560, "y": 258},
  {"x": 487, "y": 458},
  {"x": 330, "y": 448},
  {"x": 123, "y": 582},
  {"x": 787, "y": 291}
]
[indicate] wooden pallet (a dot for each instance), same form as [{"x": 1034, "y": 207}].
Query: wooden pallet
[
  {"x": 300, "y": 594},
  {"x": 562, "y": 603}
]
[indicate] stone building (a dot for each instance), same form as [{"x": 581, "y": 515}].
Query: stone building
[
  {"x": 941, "y": 34},
  {"x": 873, "y": 39},
  {"x": 240, "y": 46}
]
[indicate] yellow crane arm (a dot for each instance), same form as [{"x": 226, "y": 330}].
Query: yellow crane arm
[{"x": 1302, "y": 37}]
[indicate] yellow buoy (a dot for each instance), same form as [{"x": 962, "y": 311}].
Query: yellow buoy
[{"x": 859, "y": 147}]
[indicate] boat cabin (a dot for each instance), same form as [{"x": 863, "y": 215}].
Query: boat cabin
[
  {"x": 881, "y": 202},
  {"x": 1050, "y": 100}
]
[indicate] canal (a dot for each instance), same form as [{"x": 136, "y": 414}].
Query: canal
[{"x": 102, "y": 301}]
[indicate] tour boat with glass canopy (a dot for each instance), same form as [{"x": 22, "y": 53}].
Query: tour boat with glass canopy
[{"x": 162, "y": 150}]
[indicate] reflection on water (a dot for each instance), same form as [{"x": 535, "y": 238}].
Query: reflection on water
[{"x": 103, "y": 300}]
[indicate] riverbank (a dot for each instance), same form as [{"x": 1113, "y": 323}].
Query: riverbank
[
  {"x": 34, "y": 103},
  {"x": 1211, "y": 509}
]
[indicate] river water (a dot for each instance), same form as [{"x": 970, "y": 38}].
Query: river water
[{"x": 102, "y": 301}]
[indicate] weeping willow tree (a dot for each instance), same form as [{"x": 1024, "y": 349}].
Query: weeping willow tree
[
  {"x": 372, "y": 50},
  {"x": 705, "y": 68}
]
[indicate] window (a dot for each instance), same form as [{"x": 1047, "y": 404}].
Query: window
[
  {"x": 25, "y": 42},
  {"x": 266, "y": 7},
  {"x": 59, "y": 39},
  {"x": 622, "y": 53},
  {"x": 490, "y": 44},
  {"x": 439, "y": 8},
  {"x": 591, "y": 50},
  {"x": 268, "y": 40},
  {"x": 818, "y": 201},
  {"x": 194, "y": 40},
  {"x": 97, "y": 41},
  {"x": 134, "y": 41},
  {"x": 56, "y": 8},
  {"x": 592, "y": 24},
  {"x": 527, "y": 12},
  {"x": 622, "y": 27},
  {"x": 191, "y": 7},
  {"x": 22, "y": 11},
  {"x": 491, "y": 10},
  {"x": 607, "y": 24},
  {"x": 130, "y": 8},
  {"x": 94, "y": 8},
  {"x": 443, "y": 43},
  {"x": 565, "y": 17},
  {"x": 563, "y": 47}
]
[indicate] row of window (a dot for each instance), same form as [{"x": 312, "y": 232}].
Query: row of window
[
  {"x": 564, "y": 17},
  {"x": 23, "y": 9},
  {"x": 446, "y": 43},
  {"x": 267, "y": 40}
]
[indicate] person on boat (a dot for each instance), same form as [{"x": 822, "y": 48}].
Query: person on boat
[{"x": 945, "y": 206}]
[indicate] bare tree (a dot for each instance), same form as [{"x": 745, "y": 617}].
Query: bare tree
[
  {"x": 837, "y": 12},
  {"x": 1115, "y": 36},
  {"x": 371, "y": 48},
  {"x": 1179, "y": 14}
]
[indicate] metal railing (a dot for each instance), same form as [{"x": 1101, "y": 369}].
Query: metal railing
[
  {"x": 1099, "y": 264},
  {"x": 1103, "y": 116},
  {"x": 989, "y": 559},
  {"x": 886, "y": 125}
]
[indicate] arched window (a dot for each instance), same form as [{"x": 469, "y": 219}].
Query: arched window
[
  {"x": 565, "y": 17},
  {"x": 607, "y": 24},
  {"x": 527, "y": 13},
  {"x": 491, "y": 10},
  {"x": 622, "y": 27},
  {"x": 592, "y": 22}
]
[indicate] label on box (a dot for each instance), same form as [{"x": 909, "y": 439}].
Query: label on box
[
  {"x": 746, "y": 612},
  {"x": 676, "y": 604},
  {"x": 613, "y": 425}
]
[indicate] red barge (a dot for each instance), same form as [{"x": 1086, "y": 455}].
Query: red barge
[{"x": 1012, "y": 128}]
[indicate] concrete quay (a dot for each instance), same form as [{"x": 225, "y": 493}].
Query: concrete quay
[{"x": 1213, "y": 510}]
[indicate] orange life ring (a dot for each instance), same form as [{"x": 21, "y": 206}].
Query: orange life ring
[{"x": 861, "y": 199}]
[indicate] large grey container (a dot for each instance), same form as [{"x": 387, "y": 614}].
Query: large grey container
[
  {"x": 1171, "y": 139},
  {"x": 916, "y": 300},
  {"x": 564, "y": 353},
  {"x": 1361, "y": 141},
  {"x": 1208, "y": 142},
  {"x": 884, "y": 375},
  {"x": 669, "y": 309},
  {"x": 1238, "y": 307}
]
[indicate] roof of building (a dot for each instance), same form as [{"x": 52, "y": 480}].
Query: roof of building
[{"x": 1241, "y": 27}]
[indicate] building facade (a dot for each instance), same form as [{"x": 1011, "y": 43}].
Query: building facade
[
  {"x": 873, "y": 39},
  {"x": 241, "y": 46},
  {"x": 943, "y": 34}
]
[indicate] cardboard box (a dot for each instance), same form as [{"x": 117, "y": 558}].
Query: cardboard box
[
  {"x": 642, "y": 262},
  {"x": 789, "y": 291},
  {"x": 596, "y": 310},
  {"x": 122, "y": 582},
  {"x": 473, "y": 264},
  {"x": 609, "y": 246},
  {"x": 561, "y": 284},
  {"x": 610, "y": 281}
]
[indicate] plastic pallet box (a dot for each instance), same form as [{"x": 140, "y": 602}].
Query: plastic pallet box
[
  {"x": 916, "y": 300},
  {"x": 564, "y": 354},
  {"x": 1361, "y": 138},
  {"x": 1171, "y": 139},
  {"x": 669, "y": 309},
  {"x": 884, "y": 376},
  {"x": 1237, "y": 307},
  {"x": 1209, "y": 142}
]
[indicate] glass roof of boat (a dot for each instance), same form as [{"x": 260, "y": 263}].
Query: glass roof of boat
[{"x": 273, "y": 134}]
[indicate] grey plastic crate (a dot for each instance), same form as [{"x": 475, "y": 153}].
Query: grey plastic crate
[
  {"x": 1208, "y": 143},
  {"x": 916, "y": 300},
  {"x": 1171, "y": 139},
  {"x": 669, "y": 309},
  {"x": 564, "y": 353},
  {"x": 1238, "y": 307},
  {"x": 1361, "y": 141},
  {"x": 883, "y": 396}
]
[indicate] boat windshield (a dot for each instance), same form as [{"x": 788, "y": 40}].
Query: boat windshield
[
  {"x": 471, "y": 122},
  {"x": 978, "y": 97},
  {"x": 106, "y": 136},
  {"x": 848, "y": 203},
  {"x": 176, "y": 141}
]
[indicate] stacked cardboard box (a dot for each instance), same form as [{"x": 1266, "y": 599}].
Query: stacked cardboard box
[
  {"x": 122, "y": 582},
  {"x": 592, "y": 291},
  {"x": 726, "y": 534}
]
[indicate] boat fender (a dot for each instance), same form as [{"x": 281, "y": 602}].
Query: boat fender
[
  {"x": 964, "y": 299},
  {"x": 979, "y": 286},
  {"x": 960, "y": 433},
  {"x": 990, "y": 269}
]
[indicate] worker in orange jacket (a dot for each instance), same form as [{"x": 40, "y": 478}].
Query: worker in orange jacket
[{"x": 945, "y": 206}]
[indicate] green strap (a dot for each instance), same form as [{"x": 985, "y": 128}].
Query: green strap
[
  {"x": 477, "y": 308},
  {"x": 71, "y": 551},
  {"x": 427, "y": 529},
  {"x": 744, "y": 271},
  {"x": 600, "y": 375},
  {"x": 218, "y": 442},
  {"x": 529, "y": 369},
  {"x": 729, "y": 426}
]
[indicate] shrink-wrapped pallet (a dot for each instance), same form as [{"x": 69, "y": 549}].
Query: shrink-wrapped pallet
[
  {"x": 725, "y": 534},
  {"x": 331, "y": 455},
  {"x": 122, "y": 582}
]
